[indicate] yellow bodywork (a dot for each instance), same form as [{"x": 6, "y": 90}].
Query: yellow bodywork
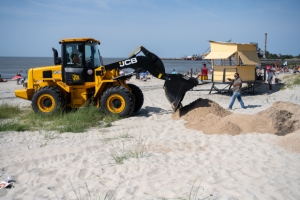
[
  {"x": 74, "y": 81},
  {"x": 228, "y": 58},
  {"x": 77, "y": 94}
]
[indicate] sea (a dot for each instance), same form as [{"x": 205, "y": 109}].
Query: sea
[{"x": 10, "y": 66}]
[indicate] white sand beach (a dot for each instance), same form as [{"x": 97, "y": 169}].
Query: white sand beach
[{"x": 196, "y": 153}]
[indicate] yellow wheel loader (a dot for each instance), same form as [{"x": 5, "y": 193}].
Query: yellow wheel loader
[{"x": 79, "y": 77}]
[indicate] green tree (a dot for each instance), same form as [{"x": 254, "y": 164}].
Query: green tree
[{"x": 267, "y": 54}]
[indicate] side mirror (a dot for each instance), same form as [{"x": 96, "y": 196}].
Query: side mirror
[{"x": 57, "y": 60}]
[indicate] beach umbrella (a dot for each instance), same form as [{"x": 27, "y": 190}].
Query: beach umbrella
[{"x": 16, "y": 77}]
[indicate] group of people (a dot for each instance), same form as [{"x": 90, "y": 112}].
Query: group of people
[
  {"x": 200, "y": 74},
  {"x": 18, "y": 78},
  {"x": 280, "y": 69},
  {"x": 143, "y": 76}
]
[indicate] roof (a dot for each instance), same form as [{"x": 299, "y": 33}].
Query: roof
[
  {"x": 234, "y": 43},
  {"x": 79, "y": 40},
  {"x": 223, "y": 50}
]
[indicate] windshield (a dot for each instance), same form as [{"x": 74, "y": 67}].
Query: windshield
[
  {"x": 92, "y": 56},
  {"x": 72, "y": 55}
]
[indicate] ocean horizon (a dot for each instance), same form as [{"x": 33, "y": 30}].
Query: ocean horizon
[{"x": 10, "y": 66}]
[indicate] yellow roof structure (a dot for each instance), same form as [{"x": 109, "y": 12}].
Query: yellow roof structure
[
  {"x": 79, "y": 40},
  {"x": 223, "y": 50}
]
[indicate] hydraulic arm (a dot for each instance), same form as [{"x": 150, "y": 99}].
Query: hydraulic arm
[{"x": 176, "y": 85}]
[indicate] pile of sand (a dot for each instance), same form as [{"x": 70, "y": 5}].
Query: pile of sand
[{"x": 205, "y": 115}]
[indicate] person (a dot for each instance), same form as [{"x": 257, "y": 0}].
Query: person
[
  {"x": 276, "y": 70},
  {"x": 188, "y": 73},
  {"x": 270, "y": 77},
  {"x": 196, "y": 72},
  {"x": 268, "y": 68},
  {"x": 75, "y": 58},
  {"x": 203, "y": 74},
  {"x": 18, "y": 79},
  {"x": 174, "y": 72},
  {"x": 295, "y": 70},
  {"x": 2, "y": 80},
  {"x": 143, "y": 76},
  {"x": 137, "y": 76},
  {"x": 277, "y": 80},
  {"x": 258, "y": 74},
  {"x": 236, "y": 87}
]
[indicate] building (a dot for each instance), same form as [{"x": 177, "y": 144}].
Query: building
[{"x": 228, "y": 58}]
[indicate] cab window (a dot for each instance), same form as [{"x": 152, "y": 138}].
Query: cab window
[
  {"x": 73, "y": 57},
  {"x": 92, "y": 57}
]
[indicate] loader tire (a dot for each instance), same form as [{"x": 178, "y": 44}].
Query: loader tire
[
  {"x": 138, "y": 96},
  {"x": 117, "y": 100},
  {"x": 47, "y": 100}
]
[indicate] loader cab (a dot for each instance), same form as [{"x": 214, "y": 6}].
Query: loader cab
[{"x": 80, "y": 58}]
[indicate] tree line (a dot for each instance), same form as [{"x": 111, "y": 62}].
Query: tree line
[{"x": 276, "y": 56}]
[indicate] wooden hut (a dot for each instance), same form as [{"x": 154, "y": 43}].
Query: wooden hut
[{"x": 228, "y": 58}]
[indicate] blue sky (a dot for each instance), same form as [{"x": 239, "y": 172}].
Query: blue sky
[{"x": 168, "y": 28}]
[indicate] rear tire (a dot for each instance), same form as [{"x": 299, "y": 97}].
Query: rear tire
[
  {"x": 117, "y": 100},
  {"x": 47, "y": 100},
  {"x": 138, "y": 96}
]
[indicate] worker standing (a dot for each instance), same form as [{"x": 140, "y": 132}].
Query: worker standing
[{"x": 236, "y": 87}]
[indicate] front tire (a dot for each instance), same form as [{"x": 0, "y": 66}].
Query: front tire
[
  {"x": 117, "y": 100},
  {"x": 138, "y": 96},
  {"x": 47, "y": 100}
]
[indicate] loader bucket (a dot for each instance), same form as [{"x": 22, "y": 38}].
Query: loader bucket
[{"x": 176, "y": 85}]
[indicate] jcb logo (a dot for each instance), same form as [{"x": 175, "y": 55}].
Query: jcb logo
[
  {"x": 57, "y": 72},
  {"x": 75, "y": 77},
  {"x": 127, "y": 62}
]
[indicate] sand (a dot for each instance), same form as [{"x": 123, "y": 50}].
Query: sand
[
  {"x": 202, "y": 150},
  {"x": 205, "y": 115}
]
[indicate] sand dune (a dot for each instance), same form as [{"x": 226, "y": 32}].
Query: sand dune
[{"x": 204, "y": 151}]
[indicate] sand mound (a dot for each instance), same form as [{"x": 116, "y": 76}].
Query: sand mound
[
  {"x": 284, "y": 117},
  {"x": 290, "y": 142},
  {"x": 205, "y": 115}
]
